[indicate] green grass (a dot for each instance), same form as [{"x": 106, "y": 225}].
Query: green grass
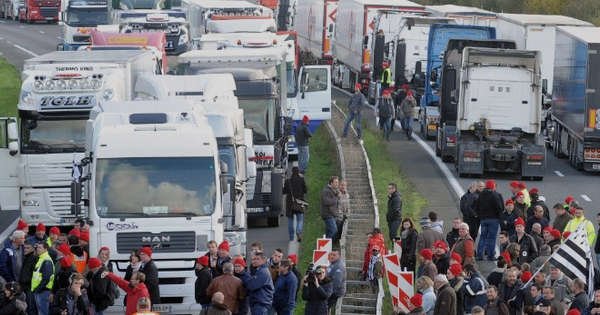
[
  {"x": 10, "y": 84},
  {"x": 322, "y": 165}
]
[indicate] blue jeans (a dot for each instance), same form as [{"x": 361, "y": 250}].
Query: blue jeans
[
  {"x": 330, "y": 227},
  {"x": 97, "y": 312},
  {"x": 387, "y": 128},
  {"x": 259, "y": 310},
  {"x": 487, "y": 241},
  {"x": 299, "y": 225},
  {"x": 356, "y": 117},
  {"x": 303, "y": 157},
  {"x": 42, "y": 302},
  {"x": 406, "y": 125}
]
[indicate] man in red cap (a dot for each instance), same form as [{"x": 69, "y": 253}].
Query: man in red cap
[
  {"x": 508, "y": 217},
  {"x": 222, "y": 257},
  {"x": 528, "y": 248},
  {"x": 440, "y": 256},
  {"x": 406, "y": 109},
  {"x": 135, "y": 289},
  {"x": 40, "y": 234},
  {"x": 427, "y": 267},
  {"x": 22, "y": 225},
  {"x": 53, "y": 235},
  {"x": 303, "y": 136},
  {"x": 239, "y": 270},
  {"x": 148, "y": 267},
  {"x": 293, "y": 258},
  {"x": 386, "y": 112},
  {"x": 488, "y": 207},
  {"x": 551, "y": 236},
  {"x": 537, "y": 200},
  {"x": 515, "y": 187},
  {"x": 355, "y": 105},
  {"x": 520, "y": 205},
  {"x": 203, "y": 279},
  {"x": 100, "y": 288},
  {"x": 456, "y": 280}
]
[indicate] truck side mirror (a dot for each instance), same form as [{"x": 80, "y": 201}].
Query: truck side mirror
[
  {"x": 116, "y": 4},
  {"x": 224, "y": 167},
  {"x": 224, "y": 186},
  {"x": 75, "y": 192},
  {"x": 433, "y": 76},
  {"x": 418, "y": 67},
  {"x": 544, "y": 86},
  {"x": 12, "y": 137}
]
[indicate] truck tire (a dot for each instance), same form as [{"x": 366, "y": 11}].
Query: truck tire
[
  {"x": 273, "y": 221},
  {"x": 447, "y": 159},
  {"x": 438, "y": 152}
]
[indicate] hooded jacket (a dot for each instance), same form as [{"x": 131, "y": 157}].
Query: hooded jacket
[
  {"x": 446, "y": 301},
  {"x": 151, "y": 271}
]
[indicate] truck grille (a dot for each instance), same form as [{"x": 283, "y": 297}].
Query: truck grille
[
  {"x": 60, "y": 201},
  {"x": 50, "y": 174},
  {"x": 49, "y": 12},
  {"x": 166, "y": 242}
]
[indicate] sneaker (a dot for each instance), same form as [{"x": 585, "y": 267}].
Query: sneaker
[{"x": 299, "y": 237}]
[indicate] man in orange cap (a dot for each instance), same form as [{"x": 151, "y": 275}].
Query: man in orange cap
[
  {"x": 528, "y": 248},
  {"x": 355, "y": 105},
  {"x": 303, "y": 136}
]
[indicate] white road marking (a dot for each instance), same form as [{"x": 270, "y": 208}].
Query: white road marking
[
  {"x": 58, "y": 37},
  {"x": 2, "y": 22},
  {"x": 42, "y": 32},
  {"x": 559, "y": 174},
  {"x": 586, "y": 198},
  {"x": 25, "y": 50}
]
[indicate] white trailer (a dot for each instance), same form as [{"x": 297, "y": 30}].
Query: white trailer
[
  {"x": 153, "y": 178},
  {"x": 464, "y": 15},
  {"x": 58, "y": 91},
  {"x": 352, "y": 43},
  {"x": 315, "y": 24},
  {"x": 536, "y": 32}
]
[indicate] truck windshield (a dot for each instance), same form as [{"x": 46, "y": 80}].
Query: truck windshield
[
  {"x": 143, "y": 4},
  {"x": 87, "y": 17},
  {"x": 52, "y": 136},
  {"x": 155, "y": 187},
  {"x": 291, "y": 80},
  {"x": 259, "y": 115}
]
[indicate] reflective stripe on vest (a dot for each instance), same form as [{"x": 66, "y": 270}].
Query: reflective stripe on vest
[
  {"x": 36, "y": 279},
  {"x": 387, "y": 76}
]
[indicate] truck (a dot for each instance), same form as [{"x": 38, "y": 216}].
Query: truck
[
  {"x": 464, "y": 15},
  {"x": 261, "y": 87},
  {"x": 152, "y": 177},
  {"x": 79, "y": 19},
  {"x": 499, "y": 109},
  {"x": 39, "y": 11},
  {"x": 575, "y": 118},
  {"x": 439, "y": 35},
  {"x": 58, "y": 91},
  {"x": 172, "y": 22},
  {"x": 536, "y": 32},
  {"x": 352, "y": 42},
  {"x": 214, "y": 94},
  {"x": 449, "y": 91},
  {"x": 315, "y": 23},
  {"x": 232, "y": 16}
]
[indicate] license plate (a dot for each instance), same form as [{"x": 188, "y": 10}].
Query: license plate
[
  {"x": 596, "y": 166},
  {"x": 161, "y": 308},
  {"x": 169, "y": 44},
  {"x": 431, "y": 127}
]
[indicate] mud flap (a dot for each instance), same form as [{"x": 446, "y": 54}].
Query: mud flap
[
  {"x": 470, "y": 159},
  {"x": 533, "y": 161}
]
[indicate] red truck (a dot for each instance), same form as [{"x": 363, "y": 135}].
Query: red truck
[{"x": 39, "y": 10}]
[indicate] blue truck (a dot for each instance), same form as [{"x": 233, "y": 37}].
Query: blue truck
[
  {"x": 439, "y": 35},
  {"x": 574, "y": 128}
]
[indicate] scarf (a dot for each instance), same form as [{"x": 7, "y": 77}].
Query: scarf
[{"x": 371, "y": 270}]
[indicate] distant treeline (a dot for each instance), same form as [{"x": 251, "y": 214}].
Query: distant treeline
[{"x": 587, "y": 10}]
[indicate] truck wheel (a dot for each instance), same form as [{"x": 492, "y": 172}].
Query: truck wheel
[
  {"x": 438, "y": 152},
  {"x": 273, "y": 221},
  {"x": 447, "y": 158}
]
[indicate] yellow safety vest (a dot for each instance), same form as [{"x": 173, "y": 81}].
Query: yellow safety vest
[
  {"x": 588, "y": 226},
  {"x": 386, "y": 77},
  {"x": 49, "y": 242},
  {"x": 36, "y": 279}
]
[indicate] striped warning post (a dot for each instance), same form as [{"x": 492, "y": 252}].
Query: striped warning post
[{"x": 400, "y": 283}]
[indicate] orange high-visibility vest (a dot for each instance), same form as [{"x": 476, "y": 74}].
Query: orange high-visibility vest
[{"x": 80, "y": 263}]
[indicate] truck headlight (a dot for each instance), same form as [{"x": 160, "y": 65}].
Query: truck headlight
[
  {"x": 96, "y": 83},
  {"x": 26, "y": 98},
  {"x": 30, "y": 203},
  {"x": 61, "y": 84},
  {"x": 38, "y": 84},
  {"x": 73, "y": 84},
  {"x": 183, "y": 39},
  {"x": 49, "y": 85},
  {"x": 107, "y": 94}
]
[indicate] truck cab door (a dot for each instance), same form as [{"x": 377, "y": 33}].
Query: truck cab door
[
  {"x": 314, "y": 99},
  {"x": 9, "y": 163}
]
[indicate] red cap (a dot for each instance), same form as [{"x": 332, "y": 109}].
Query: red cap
[
  {"x": 21, "y": 225},
  {"x": 405, "y": 87},
  {"x": 386, "y": 92},
  {"x": 574, "y": 312},
  {"x": 569, "y": 199},
  {"x": 305, "y": 119},
  {"x": 357, "y": 86},
  {"x": 40, "y": 227},
  {"x": 490, "y": 184},
  {"x": 409, "y": 93},
  {"x": 293, "y": 258},
  {"x": 75, "y": 232},
  {"x": 506, "y": 256},
  {"x": 520, "y": 194},
  {"x": 426, "y": 253},
  {"x": 525, "y": 276},
  {"x": 509, "y": 202},
  {"x": 146, "y": 250},
  {"x": 64, "y": 249},
  {"x": 417, "y": 300},
  {"x": 548, "y": 229},
  {"x": 534, "y": 191},
  {"x": 239, "y": 260},
  {"x": 522, "y": 185},
  {"x": 104, "y": 248},
  {"x": 94, "y": 262},
  {"x": 85, "y": 236},
  {"x": 440, "y": 244},
  {"x": 455, "y": 269},
  {"x": 456, "y": 256},
  {"x": 555, "y": 233},
  {"x": 224, "y": 245},
  {"x": 566, "y": 234},
  {"x": 54, "y": 230},
  {"x": 66, "y": 261},
  {"x": 514, "y": 184},
  {"x": 519, "y": 221},
  {"x": 202, "y": 260}
]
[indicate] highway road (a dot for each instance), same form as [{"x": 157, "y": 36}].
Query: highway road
[{"x": 21, "y": 41}]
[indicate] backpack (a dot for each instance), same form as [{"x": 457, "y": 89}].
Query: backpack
[{"x": 384, "y": 109}]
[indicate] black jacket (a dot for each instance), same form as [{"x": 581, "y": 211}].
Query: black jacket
[
  {"x": 467, "y": 204},
  {"x": 580, "y": 302},
  {"x": 442, "y": 263},
  {"x": 100, "y": 290},
  {"x": 452, "y": 237},
  {"x": 316, "y": 298},
  {"x": 63, "y": 299},
  {"x": 408, "y": 259},
  {"x": 489, "y": 205},
  {"x": 302, "y": 135},
  {"x": 27, "y": 272},
  {"x": 149, "y": 269},
  {"x": 529, "y": 250},
  {"x": 14, "y": 306},
  {"x": 295, "y": 186},
  {"x": 394, "y": 207},
  {"x": 203, "y": 279},
  {"x": 61, "y": 279}
]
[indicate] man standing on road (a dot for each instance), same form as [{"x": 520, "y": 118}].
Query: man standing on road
[
  {"x": 42, "y": 280},
  {"x": 11, "y": 257},
  {"x": 355, "y": 106},
  {"x": 302, "y": 138},
  {"x": 149, "y": 269},
  {"x": 295, "y": 189},
  {"x": 488, "y": 207},
  {"x": 329, "y": 206},
  {"x": 580, "y": 219},
  {"x": 386, "y": 111},
  {"x": 394, "y": 210},
  {"x": 562, "y": 217},
  {"x": 467, "y": 204},
  {"x": 231, "y": 287},
  {"x": 259, "y": 286},
  {"x": 406, "y": 107}
]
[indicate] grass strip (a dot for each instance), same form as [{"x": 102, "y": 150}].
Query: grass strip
[{"x": 10, "y": 84}]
